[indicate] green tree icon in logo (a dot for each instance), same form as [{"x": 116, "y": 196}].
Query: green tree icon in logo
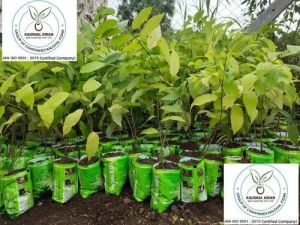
[
  {"x": 38, "y": 16},
  {"x": 260, "y": 180}
]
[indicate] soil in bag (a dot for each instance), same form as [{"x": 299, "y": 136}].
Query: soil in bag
[
  {"x": 173, "y": 158},
  {"x": 65, "y": 179},
  {"x": 214, "y": 174},
  {"x": 115, "y": 170},
  {"x": 257, "y": 155},
  {"x": 41, "y": 171},
  {"x": 193, "y": 187},
  {"x": 165, "y": 188},
  {"x": 192, "y": 154},
  {"x": 17, "y": 192},
  {"x": 132, "y": 156},
  {"x": 143, "y": 178},
  {"x": 189, "y": 146},
  {"x": 89, "y": 173}
]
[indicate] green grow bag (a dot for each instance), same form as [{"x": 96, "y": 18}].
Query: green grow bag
[
  {"x": 41, "y": 172},
  {"x": 193, "y": 188},
  {"x": 232, "y": 159},
  {"x": 17, "y": 192},
  {"x": 147, "y": 147},
  {"x": 108, "y": 146},
  {"x": 165, "y": 187},
  {"x": 143, "y": 178},
  {"x": 214, "y": 176},
  {"x": 238, "y": 151},
  {"x": 283, "y": 155},
  {"x": 65, "y": 179},
  {"x": 115, "y": 166},
  {"x": 89, "y": 176},
  {"x": 259, "y": 157},
  {"x": 131, "y": 168}
]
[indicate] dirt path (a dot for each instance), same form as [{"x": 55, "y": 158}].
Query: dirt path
[{"x": 108, "y": 210}]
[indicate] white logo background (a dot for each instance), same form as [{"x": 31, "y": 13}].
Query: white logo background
[
  {"x": 39, "y": 30},
  {"x": 261, "y": 194}
]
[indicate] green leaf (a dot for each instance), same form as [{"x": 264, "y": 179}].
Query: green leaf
[
  {"x": 171, "y": 97},
  {"x": 7, "y": 84},
  {"x": 150, "y": 131},
  {"x": 293, "y": 49},
  {"x": 36, "y": 68},
  {"x": 92, "y": 144},
  {"x": 154, "y": 37},
  {"x": 173, "y": 118},
  {"x": 228, "y": 101},
  {"x": 237, "y": 118},
  {"x": 293, "y": 131},
  {"x": 248, "y": 81},
  {"x": 71, "y": 120},
  {"x": 117, "y": 112},
  {"x": 141, "y": 17},
  {"x": 98, "y": 97},
  {"x": 117, "y": 41},
  {"x": 164, "y": 49},
  {"x": 2, "y": 110},
  {"x": 174, "y": 63},
  {"x": 91, "y": 67},
  {"x": 172, "y": 108},
  {"x": 250, "y": 101},
  {"x": 26, "y": 95},
  {"x": 105, "y": 26},
  {"x": 83, "y": 129},
  {"x": 203, "y": 99},
  {"x": 137, "y": 95},
  {"x": 151, "y": 25},
  {"x": 132, "y": 84},
  {"x": 46, "y": 111},
  {"x": 91, "y": 85},
  {"x": 10, "y": 121}
]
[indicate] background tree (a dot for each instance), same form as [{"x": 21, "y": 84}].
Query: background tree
[{"x": 129, "y": 8}]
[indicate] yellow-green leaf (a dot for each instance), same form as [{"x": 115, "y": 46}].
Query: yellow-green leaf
[
  {"x": 71, "y": 120},
  {"x": 203, "y": 99},
  {"x": 92, "y": 144},
  {"x": 91, "y": 67},
  {"x": 10, "y": 121},
  {"x": 237, "y": 118},
  {"x": 150, "y": 131},
  {"x": 91, "y": 85},
  {"x": 36, "y": 68},
  {"x": 174, "y": 63},
  {"x": 151, "y": 25},
  {"x": 154, "y": 38},
  {"x": 141, "y": 17},
  {"x": 250, "y": 101},
  {"x": 164, "y": 49},
  {"x": 7, "y": 84},
  {"x": 26, "y": 95},
  {"x": 117, "y": 112},
  {"x": 173, "y": 118}
]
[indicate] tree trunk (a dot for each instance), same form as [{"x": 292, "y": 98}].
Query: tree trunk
[{"x": 87, "y": 8}]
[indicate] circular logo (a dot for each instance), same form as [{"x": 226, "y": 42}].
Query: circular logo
[
  {"x": 39, "y": 27},
  {"x": 260, "y": 190}
]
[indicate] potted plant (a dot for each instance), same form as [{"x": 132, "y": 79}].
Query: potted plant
[
  {"x": 17, "y": 192},
  {"x": 89, "y": 170}
]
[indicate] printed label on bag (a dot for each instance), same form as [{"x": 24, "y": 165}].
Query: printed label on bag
[
  {"x": 24, "y": 203},
  {"x": 39, "y": 30},
  {"x": 261, "y": 194}
]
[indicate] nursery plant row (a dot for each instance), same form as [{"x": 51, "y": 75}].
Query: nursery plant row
[
  {"x": 187, "y": 174},
  {"x": 166, "y": 109}
]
